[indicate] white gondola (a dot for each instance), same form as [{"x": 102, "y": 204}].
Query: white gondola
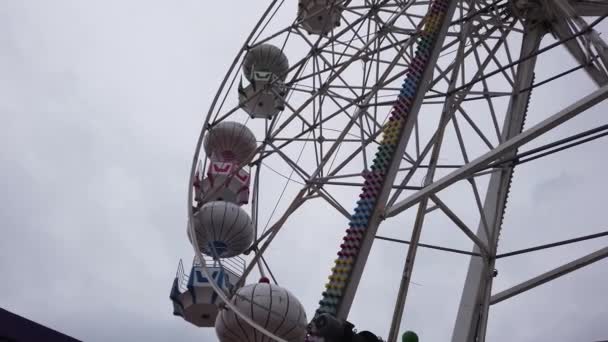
[
  {"x": 193, "y": 297},
  {"x": 230, "y": 141},
  {"x": 270, "y": 306},
  {"x": 265, "y": 67},
  {"x": 222, "y": 229}
]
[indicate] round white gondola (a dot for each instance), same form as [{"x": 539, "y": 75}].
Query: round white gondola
[
  {"x": 265, "y": 66},
  {"x": 270, "y": 306},
  {"x": 265, "y": 59},
  {"x": 223, "y": 229},
  {"x": 230, "y": 141}
]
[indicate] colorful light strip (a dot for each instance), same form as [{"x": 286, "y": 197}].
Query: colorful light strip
[{"x": 375, "y": 178}]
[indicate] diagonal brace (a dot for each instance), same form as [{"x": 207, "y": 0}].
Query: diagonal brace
[
  {"x": 458, "y": 222},
  {"x": 548, "y": 276},
  {"x": 512, "y": 144}
]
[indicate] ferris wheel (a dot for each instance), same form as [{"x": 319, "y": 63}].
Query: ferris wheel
[{"x": 399, "y": 109}]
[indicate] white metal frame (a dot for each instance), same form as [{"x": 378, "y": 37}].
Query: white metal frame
[{"x": 379, "y": 34}]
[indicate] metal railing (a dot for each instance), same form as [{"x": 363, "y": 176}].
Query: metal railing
[
  {"x": 182, "y": 277},
  {"x": 235, "y": 265}
]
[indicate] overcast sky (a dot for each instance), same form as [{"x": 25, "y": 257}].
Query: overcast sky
[{"x": 100, "y": 106}]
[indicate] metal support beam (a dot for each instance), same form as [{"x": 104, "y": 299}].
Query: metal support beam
[
  {"x": 501, "y": 150},
  {"x": 350, "y": 289},
  {"x": 423, "y": 245},
  {"x": 594, "y": 39},
  {"x": 551, "y": 275},
  {"x": 562, "y": 30},
  {"x": 552, "y": 245},
  {"x": 473, "y": 311},
  {"x": 479, "y": 244},
  {"x": 446, "y": 115},
  {"x": 590, "y": 8}
]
